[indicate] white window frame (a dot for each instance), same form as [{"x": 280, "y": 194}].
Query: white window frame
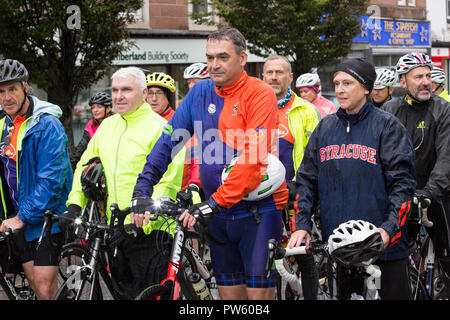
[
  {"x": 401, "y": 2},
  {"x": 411, "y": 3},
  {"x": 198, "y": 27},
  {"x": 142, "y": 16}
]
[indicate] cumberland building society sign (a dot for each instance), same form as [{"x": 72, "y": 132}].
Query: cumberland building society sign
[
  {"x": 168, "y": 51},
  {"x": 163, "y": 51}
]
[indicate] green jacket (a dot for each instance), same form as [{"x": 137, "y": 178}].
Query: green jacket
[
  {"x": 303, "y": 118},
  {"x": 444, "y": 95},
  {"x": 123, "y": 143}
]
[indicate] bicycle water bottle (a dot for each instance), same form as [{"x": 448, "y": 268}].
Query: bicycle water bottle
[
  {"x": 200, "y": 287},
  {"x": 214, "y": 291}
]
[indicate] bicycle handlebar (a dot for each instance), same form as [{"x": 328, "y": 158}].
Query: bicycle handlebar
[
  {"x": 167, "y": 206},
  {"x": 49, "y": 219},
  {"x": 423, "y": 202},
  {"x": 7, "y": 236}
]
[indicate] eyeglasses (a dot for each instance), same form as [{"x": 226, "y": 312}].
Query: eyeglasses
[
  {"x": 158, "y": 94},
  {"x": 7, "y": 140}
]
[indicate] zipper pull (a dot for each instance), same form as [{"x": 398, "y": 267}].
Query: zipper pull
[{"x": 348, "y": 126}]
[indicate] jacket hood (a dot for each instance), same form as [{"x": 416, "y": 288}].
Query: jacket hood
[{"x": 40, "y": 108}]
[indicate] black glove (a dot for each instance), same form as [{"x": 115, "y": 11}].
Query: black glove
[
  {"x": 204, "y": 211},
  {"x": 141, "y": 204},
  {"x": 292, "y": 193},
  {"x": 65, "y": 221}
]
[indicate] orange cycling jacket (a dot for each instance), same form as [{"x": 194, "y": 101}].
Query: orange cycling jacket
[{"x": 240, "y": 119}]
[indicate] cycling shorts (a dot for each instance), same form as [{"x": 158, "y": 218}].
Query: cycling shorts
[
  {"x": 243, "y": 258},
  {"x": 45, "y": 254}
]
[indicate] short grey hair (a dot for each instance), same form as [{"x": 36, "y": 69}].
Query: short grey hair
[
  {"x": 135, "y": 72},
  {"x": 232, "y": 34},
  {"x": 278, "y": 57}
]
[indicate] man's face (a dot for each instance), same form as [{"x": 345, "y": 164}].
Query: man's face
[
  {"x": 418, "y": 83},
  {"x": 12, "y": 96},
  {"x": 192, "y": 81},
  {"x": 157, "y": 99},
  {"x": 126, "y": 94},
  {"x": 307, "y": 93},
  {"x": 276, "y": 74},
  {"x": 380, "y": 95},
  {"x": 224, "y": 65},
  {"x": 350, "y": 93}
]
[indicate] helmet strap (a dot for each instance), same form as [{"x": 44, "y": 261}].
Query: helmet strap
[
  {"x": 23, "y": 102},
  {"x": 438, "y": 87}
]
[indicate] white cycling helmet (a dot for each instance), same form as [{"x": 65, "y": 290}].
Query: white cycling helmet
[
  {"x": 271, "y": 181},
  {"x": 413, "y": 60},
  {"x": 197, "y": 71},
  {"x": 307, "y": 80},
  {"x": 355, "y": 243},
  {"x": 385, "y": 78},
  {"x": 437, "y": 75}
]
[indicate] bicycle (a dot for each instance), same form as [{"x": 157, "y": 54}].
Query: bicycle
[
  {"x": 12, "y": 277},
  {"x": 184, "y": 261},
  {"x": 328, "y": 284},
  {"x": 426, "y": 276},
  {"x": 283, "y": 289},
  {"x": 84, "y": 263}
]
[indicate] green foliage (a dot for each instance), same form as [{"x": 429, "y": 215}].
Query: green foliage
[
  {"x": 63, "y": 59},
  {"x": 312, "y": 32}
]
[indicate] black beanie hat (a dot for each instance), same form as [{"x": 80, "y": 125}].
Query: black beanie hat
[{"x": 361, "y": 70}]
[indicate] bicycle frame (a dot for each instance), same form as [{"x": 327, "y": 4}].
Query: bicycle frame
[
  {"x": 423, "y": 266},
  {"x": 7, "y": 283},
  {"x": 175, "y": 278}
]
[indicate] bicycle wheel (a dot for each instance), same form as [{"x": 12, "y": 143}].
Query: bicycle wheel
[
  {"x": 418, "y": 289},
  {"x": 156, "y": 292},
  {"x": 81, "y": 282}
]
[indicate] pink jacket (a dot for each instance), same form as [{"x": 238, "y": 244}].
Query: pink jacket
[{"x": 324, "y": 105}]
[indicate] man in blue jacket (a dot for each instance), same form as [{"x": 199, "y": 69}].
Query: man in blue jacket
[
  {"x": 35, "y": 173},
  {"x": 359, "y": 164}
]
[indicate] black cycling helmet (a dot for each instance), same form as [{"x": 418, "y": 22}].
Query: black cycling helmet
[
  {"x": 101, "y": 98},
  {"x": 93, "y": 181},
  {"x": 12, "y": 70}
]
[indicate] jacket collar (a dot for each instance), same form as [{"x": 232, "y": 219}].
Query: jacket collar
[
  {"x": 232, "y": 88},
  {"x": 354, "y": 118},
  {"x": 142, "y": 109}
]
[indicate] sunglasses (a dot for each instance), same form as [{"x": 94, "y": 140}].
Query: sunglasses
[{"x": 7, "y": 140}]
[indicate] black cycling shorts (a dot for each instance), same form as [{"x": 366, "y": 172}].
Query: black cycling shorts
[{"x": 45, "y": 254}]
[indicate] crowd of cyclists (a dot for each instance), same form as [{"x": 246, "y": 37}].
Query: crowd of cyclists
[{"x": 364, "y": 159}]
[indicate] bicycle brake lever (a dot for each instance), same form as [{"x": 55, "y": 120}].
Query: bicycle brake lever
[{"x": 272, "y": 245}]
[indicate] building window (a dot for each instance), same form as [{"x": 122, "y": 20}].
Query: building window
[
  {"x": 201, "y": 6},
  {"x": 412, "y": 3},
  {"x": 402, "y": 2}
]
